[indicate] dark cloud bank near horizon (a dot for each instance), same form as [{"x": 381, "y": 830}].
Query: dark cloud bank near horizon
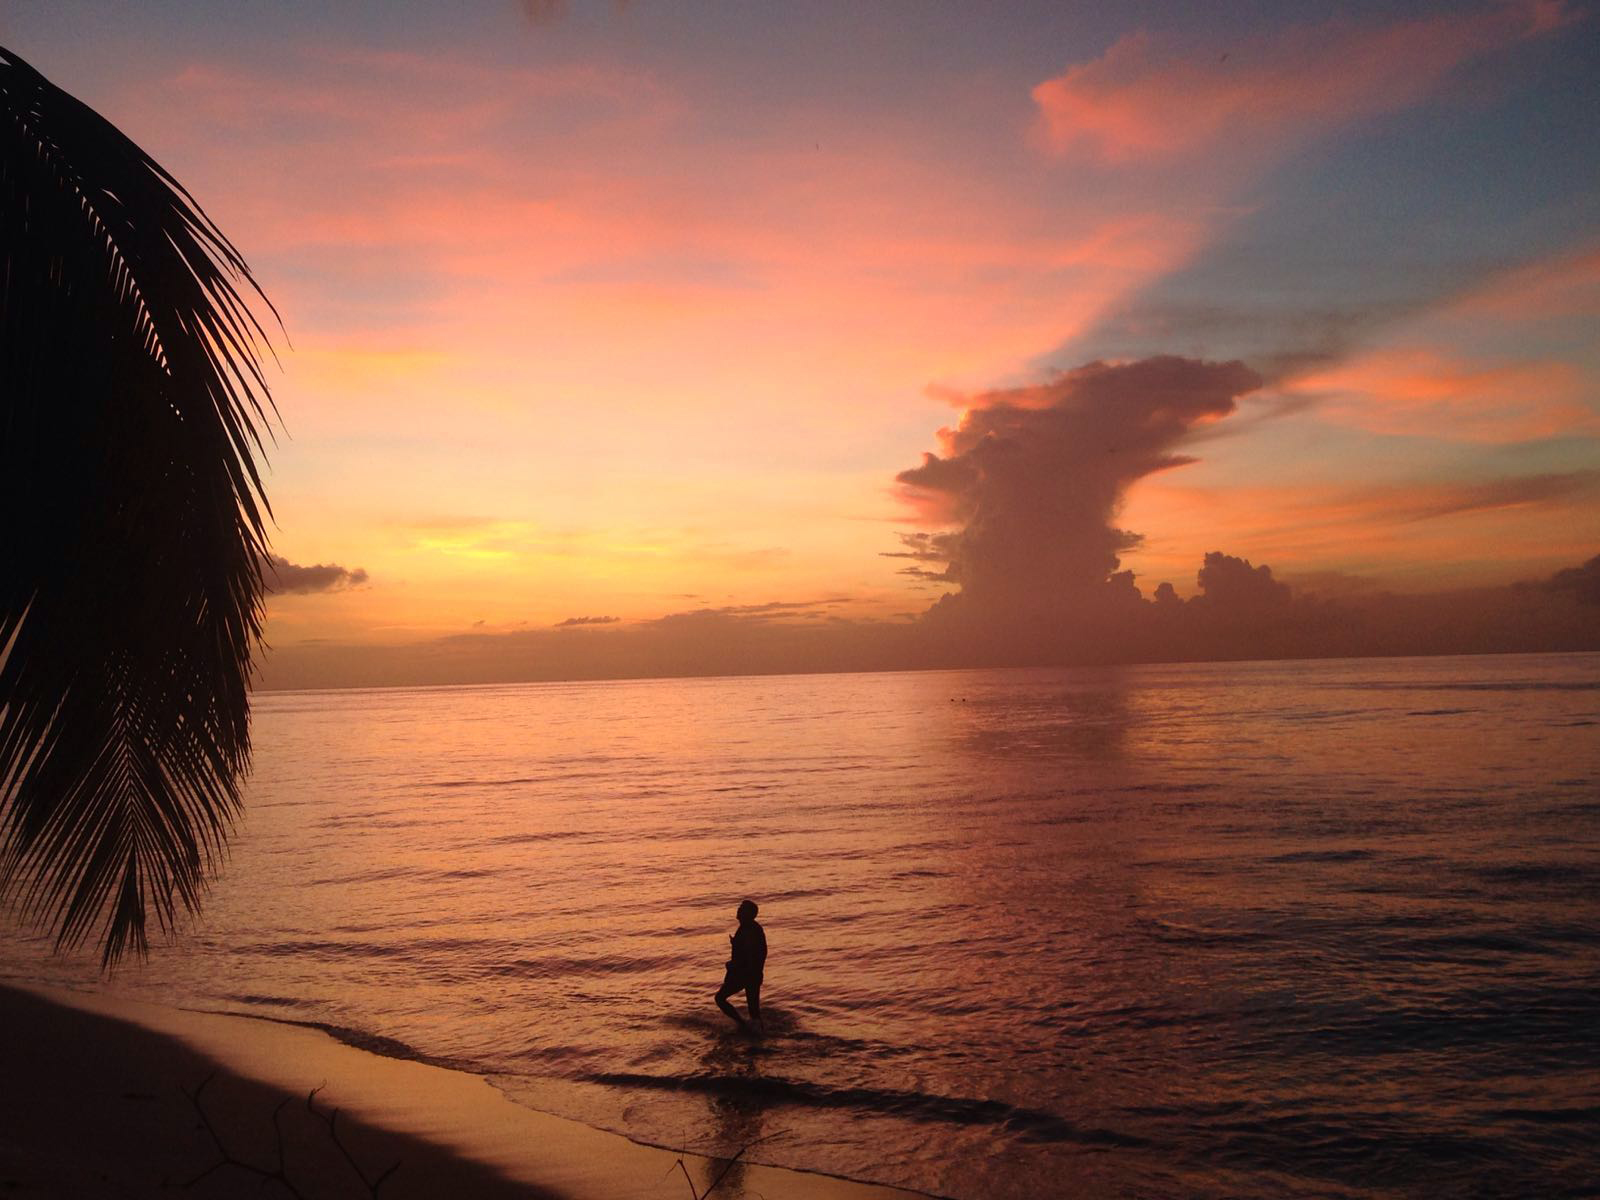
[
  {"x": 1241, "y": 613},
  {"x": 1018, "y": 513}
]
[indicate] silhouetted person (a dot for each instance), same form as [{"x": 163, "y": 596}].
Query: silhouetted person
[{"x": 746, "y": 966}]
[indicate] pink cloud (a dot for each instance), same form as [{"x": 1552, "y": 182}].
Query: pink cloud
[
  {"x": 1565, "y": 285},
  {"x": 1148, "y": 99},
  {"x": 443, "y": 98},
  {"x": 1422, "y": 393},
  {"x": 479, "y": 195}
]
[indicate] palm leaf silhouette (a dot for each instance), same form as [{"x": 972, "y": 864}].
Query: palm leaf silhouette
[{"x": 130, "y": 591}]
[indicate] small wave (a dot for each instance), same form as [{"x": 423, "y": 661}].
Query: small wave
[
  {"x": 1510, "y": 685},
  {"x": 1550, "y": 1116},
  {"x": 420, "y": 949},
  {"x": 1322, "y": 856},
  {"x": 326, "y": 949},
  {"x": 1172, "y": 931},
  {"x": 387, "y": 1047},
  {"x": 1031, "y": 1124},
  {"x": 1477, "y": 944},
  {"x": 1166, "y": 789},
  {"x": 561, "y": 966},
  {"x": 461, "y": 783},
  {"x": 1322, "y": 714},
  {"x": 360, "y": 1039},
  {"x": 1540, "y": 1026},
  {"x": 1077, "y": 818},
  {"x": 1535, "y": 872},
  {"x": 546, "y": 835},
  {"x": 254, "y": 998},
  {"x": 799, "y": 893},
  {"x": 375, "y": 875}
]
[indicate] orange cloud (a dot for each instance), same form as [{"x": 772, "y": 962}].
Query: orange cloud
[
  {"x": 1419, "y": 534},
  {"x": 1421, "y": 393},
  {"x": 1566, "y": 285},
  {"x": 1146, "y": 99}
]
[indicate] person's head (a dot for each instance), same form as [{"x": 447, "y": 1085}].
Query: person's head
[{"x": 748, "y": 911}]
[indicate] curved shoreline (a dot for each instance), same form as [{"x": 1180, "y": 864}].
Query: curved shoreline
[
  {"x": 93, "y": 1107},
  {"x": 380, "y": 1046}
]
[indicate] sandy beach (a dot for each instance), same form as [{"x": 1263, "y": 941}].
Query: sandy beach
[{"x": 94, "y": 1105}]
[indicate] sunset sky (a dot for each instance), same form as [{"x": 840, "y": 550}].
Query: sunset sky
[{"x": 629, "y": 310}]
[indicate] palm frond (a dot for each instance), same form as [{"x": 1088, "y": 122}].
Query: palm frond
[{"x": 132, "y": 402}]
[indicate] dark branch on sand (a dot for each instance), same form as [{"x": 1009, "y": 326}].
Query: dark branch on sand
[
  {"x": 279, "y": 1173},
  {"x": 712, "y": 1186},
  {"x": 727, "y": 1165},
  {"x": 226, "y": 1157},
  {"x": 331, "y": 1119}
]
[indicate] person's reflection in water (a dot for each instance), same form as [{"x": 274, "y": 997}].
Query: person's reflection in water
[
  {"x": 738, "y": 1110},
  {"x": 745, "y": 967},
  {"x": 739, "y": 1126}
]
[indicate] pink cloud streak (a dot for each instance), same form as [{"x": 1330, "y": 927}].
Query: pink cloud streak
[
  {"x": 1421, "y": 393},
  {"x": 1148, "y": 100}
]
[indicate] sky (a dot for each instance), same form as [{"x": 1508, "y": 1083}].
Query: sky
[{"x": 646, "y": 338}]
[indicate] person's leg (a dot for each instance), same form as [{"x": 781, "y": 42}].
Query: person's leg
[
  {"x": 752, "y": 996},
  {"x": 730, "y": 985}
]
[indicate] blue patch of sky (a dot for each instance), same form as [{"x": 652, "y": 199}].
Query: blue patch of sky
[{"x": 1399, "y": 213}]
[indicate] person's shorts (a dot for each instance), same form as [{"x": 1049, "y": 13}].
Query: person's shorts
[{"x": 737, "y": 981}]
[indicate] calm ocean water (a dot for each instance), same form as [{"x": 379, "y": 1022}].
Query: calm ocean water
[{"x": 1248, "y": 930}]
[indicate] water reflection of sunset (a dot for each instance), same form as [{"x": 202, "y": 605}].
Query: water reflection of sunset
[{"x": 1088, "y": 923}]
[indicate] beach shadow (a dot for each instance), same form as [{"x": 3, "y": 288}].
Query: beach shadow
[{"x": 95, "y": 1106}]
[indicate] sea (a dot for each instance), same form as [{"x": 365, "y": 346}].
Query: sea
[{"x": 1220, "y": 930}]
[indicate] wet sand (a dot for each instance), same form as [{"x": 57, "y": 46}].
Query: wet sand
[{"x": 93, "y": 1105}]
